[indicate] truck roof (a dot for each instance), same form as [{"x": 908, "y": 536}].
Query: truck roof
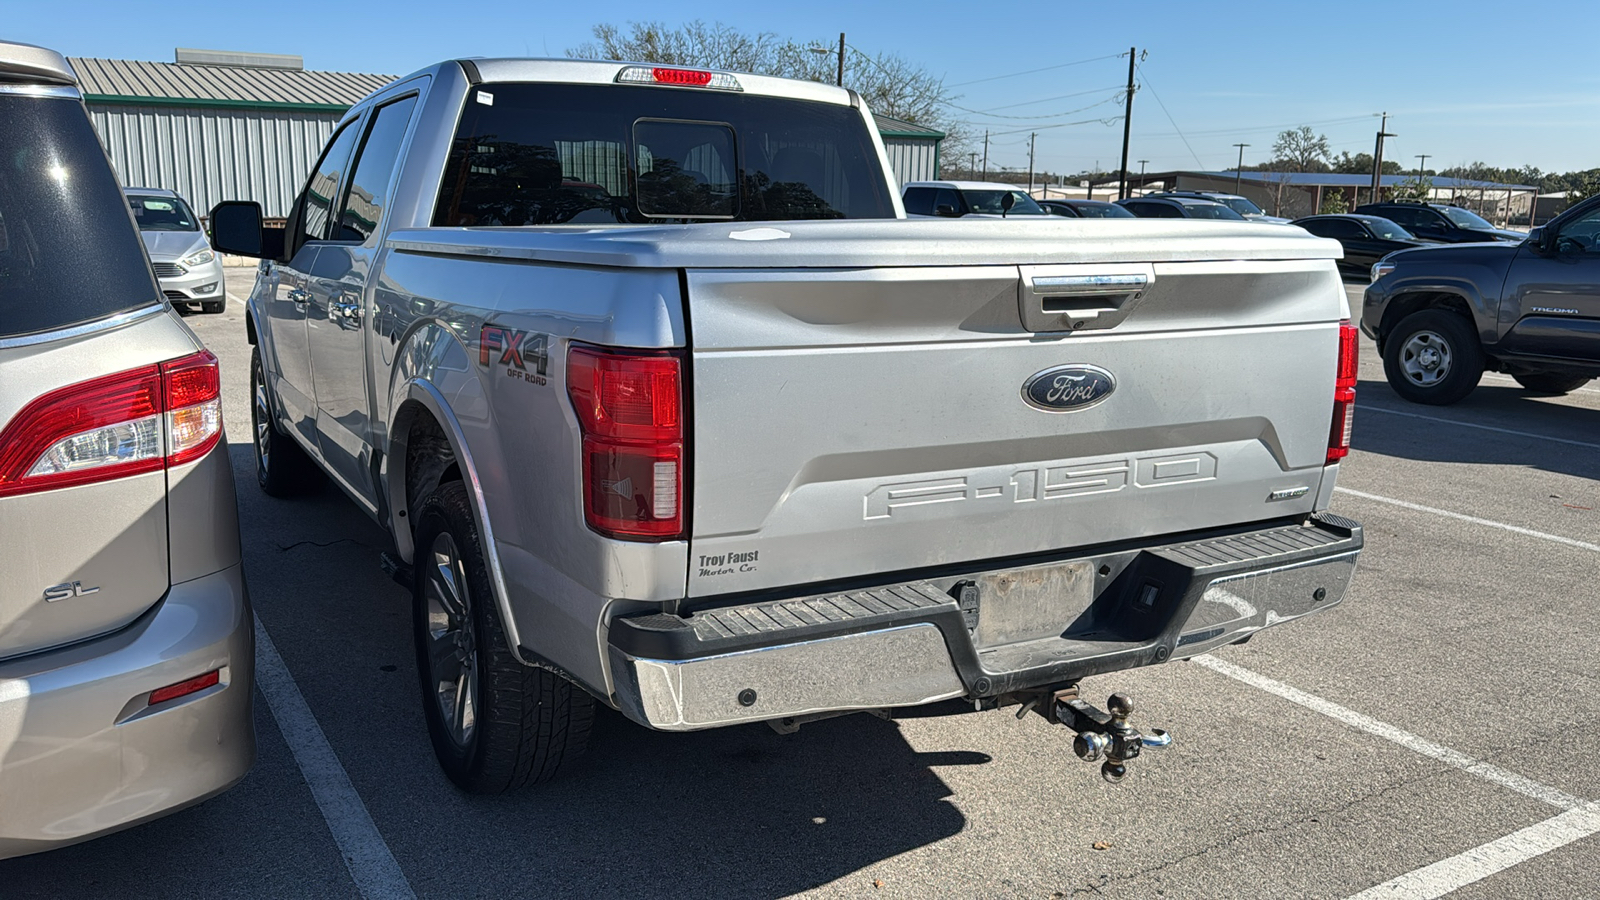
[{"x": 966, "y": 185}]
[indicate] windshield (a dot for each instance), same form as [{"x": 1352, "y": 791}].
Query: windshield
[
  {"x": 988, "y": 202},
  {"x": 161, "y": 213},
  {"x": 553, "y": 154},
  {"x": 1103, "y": 211},
  {"x": 1387, "y": 230},
  {"x": 1210, "y": 211},
  {"x": 1241, "y": 206},
  {"x": 1464, "y": 218}
]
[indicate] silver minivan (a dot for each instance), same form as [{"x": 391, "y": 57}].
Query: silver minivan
[{"x": 125, "y": 631}]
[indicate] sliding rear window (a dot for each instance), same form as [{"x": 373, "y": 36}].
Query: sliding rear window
[
  {"x": 556, "y": 154},
  {"x": 68, "y": 250}
]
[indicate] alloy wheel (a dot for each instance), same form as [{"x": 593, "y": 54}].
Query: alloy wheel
[{"x": 451, "y": 645}]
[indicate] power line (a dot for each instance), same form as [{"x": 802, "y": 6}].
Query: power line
[
  {"x": 1169, "y": 118},
  {"x": 1108, "y": 120},
  {"x": 1109, "y": 87},
  {"x": 1061, "y": 115},
  {"x": 1032, "y": 71}
]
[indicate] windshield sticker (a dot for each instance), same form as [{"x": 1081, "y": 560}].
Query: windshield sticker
[
  {"x": 486, "y": 98},
  {"x": 516, "y": 350}
]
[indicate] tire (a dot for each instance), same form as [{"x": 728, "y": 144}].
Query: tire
[
  {"x": 1551, "y": 382},
  {"x": 282, "y": 467},
  {"x": 495, "y": 723},
  {"x": 213, "y": 306},
  {"x": 1433, "y": 357}
]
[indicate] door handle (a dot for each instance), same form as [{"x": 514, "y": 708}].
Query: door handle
[
  {"x": 299, "y": 297},
  {"x": 343, "y": 306},
  {"x": 1076, "y": 297}
]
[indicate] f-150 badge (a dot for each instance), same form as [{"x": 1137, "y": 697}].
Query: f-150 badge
[{"x": 1067, "y": 388}]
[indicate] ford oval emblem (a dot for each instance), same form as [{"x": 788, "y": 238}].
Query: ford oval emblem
[{"x": 1068, "y": 388}]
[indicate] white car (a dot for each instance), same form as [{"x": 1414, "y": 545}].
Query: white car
[
  {"x": 188, "y": 269},
  {"x": 955, "y": 199}
]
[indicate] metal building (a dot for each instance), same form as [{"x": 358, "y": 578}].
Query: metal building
[
  {"x": 215, "y": 125},
  {"x": 913, "y": 149}
]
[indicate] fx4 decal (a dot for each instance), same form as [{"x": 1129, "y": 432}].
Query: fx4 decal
[{"x": 516, "y": 350}]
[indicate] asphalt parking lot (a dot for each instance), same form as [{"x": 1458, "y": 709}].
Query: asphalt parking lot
[{"x": 1435, "y": 732}]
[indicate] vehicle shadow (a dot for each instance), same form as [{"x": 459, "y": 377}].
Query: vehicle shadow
[{"x": 1390, "y": 426}]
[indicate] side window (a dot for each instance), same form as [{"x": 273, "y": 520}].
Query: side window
[
  {"x": 367, "y": 193},
  {"x": 1142, "y": 210},
  {"x": 1321, "y": 228},
  {"x": 947, "y": 197},
  {"x": 1405, "y": 218},
  {"x": 317, "y": 198},
  {"x": 1340, "y": 228},
  {"x": 1582, "y": 234},
  {"x": 1427, "y": 218},
  {"x": 919, "y": 201},
  {"x": 1164, "y": 211}
]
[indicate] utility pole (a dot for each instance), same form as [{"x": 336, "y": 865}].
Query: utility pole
[
  {"x": 1239, "y": 169},
  {"x": 985, "y": 155},
  {"x": 973, "y": 167},
  {"x": 1030, "y": 162},
  {"x": 840, "y": 81},
  {"x": 1377, "y": 158},
  {"x": 1423, "y": 163},
  {"x": 1127, "y": 124}
]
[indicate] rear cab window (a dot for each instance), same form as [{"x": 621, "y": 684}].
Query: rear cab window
[
  {"x": 68, "y": 251},
  {"x": 558, "y": 154}
]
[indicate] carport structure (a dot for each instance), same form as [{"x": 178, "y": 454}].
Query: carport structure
[{"x": 1295, "y": 194}]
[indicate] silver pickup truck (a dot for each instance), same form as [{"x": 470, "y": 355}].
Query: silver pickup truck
[{"x": 667, "y": 406}]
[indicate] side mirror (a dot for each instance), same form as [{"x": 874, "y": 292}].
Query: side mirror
[
  {"x": 1536, "y": 238},
  {"x": 236, "y": 228},
  {"x": 946, "y": 210}
]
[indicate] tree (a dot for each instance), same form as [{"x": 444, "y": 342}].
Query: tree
[
  {"x": 1418, "y": 187},
  {"x": 1334, "y": 202},
  {"x": 1303, "y": 149},
  {"x": 889, "y": 83},
  {"x": 1361, "y": 164}
]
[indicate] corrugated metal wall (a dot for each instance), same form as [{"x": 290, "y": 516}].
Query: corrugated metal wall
[
  {"x": 911, "y": 159},
  {"x": 210, "y": 155}
]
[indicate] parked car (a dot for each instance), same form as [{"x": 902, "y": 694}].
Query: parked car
[
  {"x": 1242, "y": 205},
  {"x": 1366, "y": 239},
  {"x": 1178, "y": 208},
  {"x": 956, "y": 199},
  {"x": 1085, "y": 209},
  {"x": 1441, "y": 223},
  {"x": 125, "y": 632},
  {"x": 786, "y": 512},
  {"x": 188, "y": 269},
  {"x": 1442, "y": 315}
]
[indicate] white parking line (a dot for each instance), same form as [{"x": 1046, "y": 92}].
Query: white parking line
[
  {"x": 1516, "y": 529},
  {"x": 1527, "y": 434},
  {"x": 1506, "y": 779},
  {"x": 1480, "y": 862},
  {"x": 371, "y": 864}
]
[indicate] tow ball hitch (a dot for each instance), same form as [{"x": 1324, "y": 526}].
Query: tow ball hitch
[{"x": 1104, "y": 735}]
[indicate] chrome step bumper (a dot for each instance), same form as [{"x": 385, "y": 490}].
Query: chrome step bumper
[{"x": 938, "y": 638}]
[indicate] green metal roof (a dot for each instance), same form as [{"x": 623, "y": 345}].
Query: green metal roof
[
  {"x": 890, "y": 127},
  {"x": 122, "y": 81}
]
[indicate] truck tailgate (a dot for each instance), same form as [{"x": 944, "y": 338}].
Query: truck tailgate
[{"x": 855, "y": 421}]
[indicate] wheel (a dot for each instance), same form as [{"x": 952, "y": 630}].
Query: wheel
[
  {"x": 213, "y": 306},
  {"x": 1551, "y": 382},
  {"x": 495, "y": 723},
  {"x": 1433, "y": 357},
  {"x": 282, "y": 467}
]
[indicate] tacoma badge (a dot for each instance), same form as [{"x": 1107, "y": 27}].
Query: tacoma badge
[{"x": 1067, "y": 388}]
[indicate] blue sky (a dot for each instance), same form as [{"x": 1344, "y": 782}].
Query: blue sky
[{"x": 1462, "y": 81}]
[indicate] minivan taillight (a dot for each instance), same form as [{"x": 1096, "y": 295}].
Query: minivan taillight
[
  {"x": 1344, "y": 395},
  {"x": 630, "y": 408},
  {"x": 114, "y": 426}
]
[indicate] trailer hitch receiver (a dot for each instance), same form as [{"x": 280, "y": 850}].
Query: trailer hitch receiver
[{"x": 1105, "y": 735}]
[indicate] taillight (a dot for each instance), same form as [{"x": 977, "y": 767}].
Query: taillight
[
  {"x": 720, "y": 81},
  {"x": 630, "y": 408},
  {"x": 1344, "y": 394},
  {"x": 114, "y": 426}
]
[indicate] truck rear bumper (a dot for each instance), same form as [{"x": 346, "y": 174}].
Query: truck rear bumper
[{"x": 976, "y": 635}]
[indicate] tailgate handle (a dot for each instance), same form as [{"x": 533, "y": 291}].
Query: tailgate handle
[{"x": 1077, "y": 302}]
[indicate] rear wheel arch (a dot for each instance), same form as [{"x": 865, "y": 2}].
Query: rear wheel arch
[{"x": 250, "y": 334}]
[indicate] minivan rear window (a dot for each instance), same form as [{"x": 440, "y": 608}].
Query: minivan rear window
[
  {"x": 554, "y": 154},
  {"x": 68, "y": 249}
]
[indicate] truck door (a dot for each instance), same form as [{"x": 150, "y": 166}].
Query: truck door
[
  {"x": 1552, "y": 297},
  {"x": 289, "y": 298},
  {"x": 339, "y": 316}
]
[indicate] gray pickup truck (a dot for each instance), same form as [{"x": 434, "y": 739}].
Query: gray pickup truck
[
  {"x": 1441, "y": 316},
  {"x": 667, "y": 406}
]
